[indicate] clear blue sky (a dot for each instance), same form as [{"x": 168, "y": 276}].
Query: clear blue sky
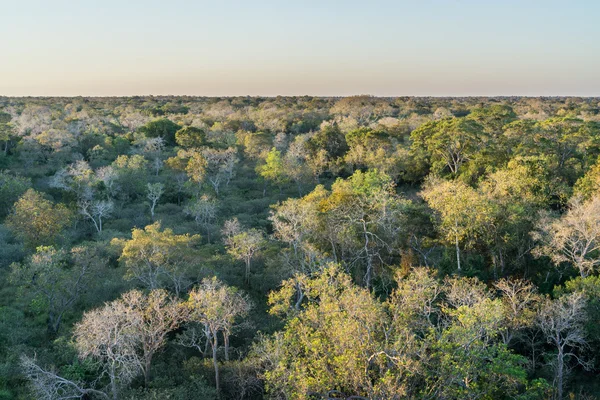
[{"x": 321, "y": 47}]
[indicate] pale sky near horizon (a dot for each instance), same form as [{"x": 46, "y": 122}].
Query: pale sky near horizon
[{"x": 314, "y": 47}]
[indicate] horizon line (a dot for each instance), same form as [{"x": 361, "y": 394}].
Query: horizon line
[{"x": 298, "y": 95}]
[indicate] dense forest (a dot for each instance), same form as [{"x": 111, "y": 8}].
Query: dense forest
[{"x": 299, "y": 248}]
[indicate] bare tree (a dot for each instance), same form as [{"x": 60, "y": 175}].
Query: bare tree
[
  {"x": 151, "y": 148},
  {"x": 220, "y": 166},
  {"x": 96, "y": 210},
  {"x": 109, "y": 177},
  {"x": 180, "y": 180},
  {"x": 109, "y": 335},
  {"x": 562, "y": 323},
  {"x": 461, "y": 291},
  {"x": 154, "y": 316},
  {"x": 125, "y": 334},
  {"x": 574, "y": 238},
  {"x": 77, "y": 177},
  {"x": 218, "y": 307},
  {"x": 231, "y": 227},
  {"x": 204, "y": 211},
  {"x": 48, "y": 385},
  {"x": 155, "y": 191},
  {"x": 195, "y": 336},
  {"x": 243, "y": 245},
  {"x": 157, "y": 164},
  {"x": 520, "y": 299}
]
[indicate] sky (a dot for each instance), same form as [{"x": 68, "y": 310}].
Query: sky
[{"x": 299, "y": 47}]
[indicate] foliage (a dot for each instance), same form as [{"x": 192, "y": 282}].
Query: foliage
[
  {"x": 405, "y": 247},
  {"x": 38, "y": 221}
]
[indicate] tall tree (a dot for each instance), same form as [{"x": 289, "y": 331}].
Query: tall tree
[
  {"x": 273, "y": 169},
  {"x": 562, "y": 322},
  {"x": 243, "y": 245},
  {"x": 574, "y": 238},
  {"x": 219, "y": 308},
  {"x": 153, "y": 315},
  {"x": 460, "y": 210},
  {"x": 449, "y": 143}
]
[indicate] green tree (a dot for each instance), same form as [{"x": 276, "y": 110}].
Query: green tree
[
  {"x": 493, "y": 118},
  {"x": 192, "y": 162},
  {"x": 589, "y": 184},
  {"x": 7, "y": 132},
  {"x": 461, "y": 212},
  {"x": 190, "y": 137},
  {"x": 163, "y": 128},
  {"x": 131, "y": 173},
  {"x": 468, "y": 361},
  {"x": 366, "y": 219},
  {"x": 58, "y": 278},
  {"x": 331, "y": 139},
  {"x": 449, "y": 143},
  {"x": 11, "y": 188},
  {"x": 273, "y": 169}
]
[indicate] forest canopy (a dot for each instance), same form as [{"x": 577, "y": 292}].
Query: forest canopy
[{"x": 168, "y": 247}]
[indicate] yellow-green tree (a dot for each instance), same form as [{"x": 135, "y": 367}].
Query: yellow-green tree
[
  {"x": 192, "y": 162},
  {"x": 461, "y": 212},
  {"x": 329, "y": 343},
  {"x": 153, "y": 255},
  {"x": 38, "y": 221},
  {"x": 589, "y": 184},
  {"x": 273, "y": 169}
]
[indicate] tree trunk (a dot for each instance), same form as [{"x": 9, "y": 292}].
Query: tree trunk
[
  {"x": 208, "y": 339},
  {"x": 226, "y": 341},
  {"x": 335, "y": 258},
  {"x": 147, "y": 366},
  {"x": 113, "y": 383},
  {"x": 369, "y": 275},
  {"x": 215, "y": 363},
  {"x": 560, "y": 373},
  {"x": 457, "y": 247},
  {"x": 299, "y": 297},
  {"x": 369, "y": 259},
  {"x": 248, "y": 271},
  {"x": 54, "y": 322}
]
